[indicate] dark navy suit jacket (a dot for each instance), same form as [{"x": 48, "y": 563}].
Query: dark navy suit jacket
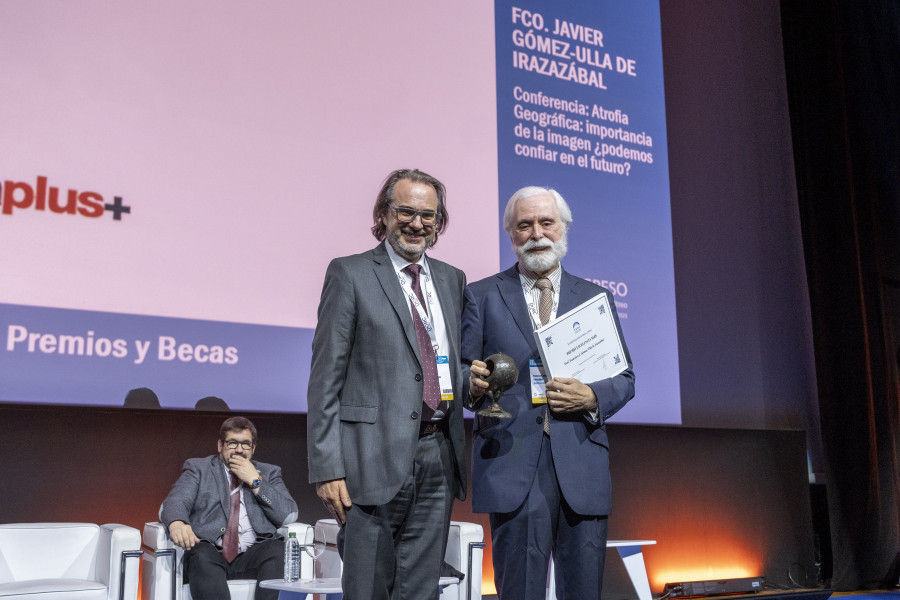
[{"x": 505, "y": 451}]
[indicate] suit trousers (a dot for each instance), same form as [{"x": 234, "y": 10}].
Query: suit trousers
[
  {"x": 523, "y": 541},
  {"x": 208, "y": 571},
  {"x": 395, "y": 551}
]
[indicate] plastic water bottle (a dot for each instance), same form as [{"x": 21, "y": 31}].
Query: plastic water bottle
[{"x": 292, "y": 557}]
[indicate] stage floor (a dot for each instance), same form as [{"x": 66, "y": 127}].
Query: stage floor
[{"x": 798, "y": 594}]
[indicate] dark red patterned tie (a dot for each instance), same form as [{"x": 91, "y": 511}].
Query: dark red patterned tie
[
  {"x": 230, "y": 539},
  {"x": 432, "y": 393}
]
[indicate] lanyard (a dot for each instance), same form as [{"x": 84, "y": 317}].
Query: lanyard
[{"x": 419, "y": 313}]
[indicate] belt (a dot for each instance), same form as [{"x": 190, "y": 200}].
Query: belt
[{"x": 429, "y": 427}]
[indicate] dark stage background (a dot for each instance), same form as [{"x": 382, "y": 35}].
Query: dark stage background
[
  {"x": 736, "y": 500},
  {"x": 758, "y": 351}
]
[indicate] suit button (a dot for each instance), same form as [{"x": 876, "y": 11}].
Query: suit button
[
  {"x": 222, "y": 530},
  {"x": 539, "y": 420},
  {"x": 418, "y": 377},
  {"x": 414, "y": 415}
]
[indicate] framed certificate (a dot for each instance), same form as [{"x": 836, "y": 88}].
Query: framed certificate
[{"x": 583, "y": 343}]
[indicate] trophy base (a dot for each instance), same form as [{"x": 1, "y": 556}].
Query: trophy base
[{"x": 495, "y": 411}]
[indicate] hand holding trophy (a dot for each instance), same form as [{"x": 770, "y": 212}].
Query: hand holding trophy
[{"x": 503, "y": 375}]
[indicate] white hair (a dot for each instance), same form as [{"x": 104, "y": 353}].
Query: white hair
[{"x": 565, "y": 214}]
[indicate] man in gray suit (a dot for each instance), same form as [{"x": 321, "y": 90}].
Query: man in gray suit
[
  {"x": 385, "y": 428},
  {"x": 225, "y": 511}
]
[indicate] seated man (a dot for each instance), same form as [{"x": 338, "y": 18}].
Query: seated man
[{"x": 225, "y": 511}]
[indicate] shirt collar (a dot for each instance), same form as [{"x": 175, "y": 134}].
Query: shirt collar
[
  {"x": 401, "y": 263},
  {"x": 530, "y": 277}
]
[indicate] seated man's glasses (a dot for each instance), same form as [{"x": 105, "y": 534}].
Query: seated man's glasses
[
  {"x": 232, "y": 444},
  {"x": 408, "y": 215}
]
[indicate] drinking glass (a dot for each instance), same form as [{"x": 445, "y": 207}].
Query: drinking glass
[{"x": 316, "y": 549}]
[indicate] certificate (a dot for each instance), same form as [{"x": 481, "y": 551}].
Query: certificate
[{"x": 583, "y": 343}]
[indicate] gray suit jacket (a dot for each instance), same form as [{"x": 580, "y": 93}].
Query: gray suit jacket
[
  {"x": 365, "y": 383},
  {"x": 200, "y": 498}
]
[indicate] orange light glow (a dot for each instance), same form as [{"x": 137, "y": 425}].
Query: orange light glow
[
  {"x": 140, "y": 576},
  {"x": 719, "y": 556},
  {"x": 701, "y": 574},
  {"x": 658, "y": 578},
  {"x": 487, "y": 573},
  {"x": 722, "y": 554}
]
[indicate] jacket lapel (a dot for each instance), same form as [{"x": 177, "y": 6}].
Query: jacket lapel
[
  {"x": 442, "y": 283},
  {"x": 572, "y": 292},
  {"x": 510, "y": 288},
  {"x": 223, "y": 484},
  {"x": 387, "y": 277},
  {"x": 441, "y": 279}
]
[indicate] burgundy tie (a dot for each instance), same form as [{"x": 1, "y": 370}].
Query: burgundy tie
[
  {"x": 432, "y": 393},
  {"x": 230, "y": 539}
]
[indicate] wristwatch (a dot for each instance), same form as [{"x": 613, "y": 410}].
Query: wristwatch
[{"x": 256, "y": 482}]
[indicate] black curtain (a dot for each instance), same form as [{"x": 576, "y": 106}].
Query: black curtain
[{"x": 842, "y": 60}]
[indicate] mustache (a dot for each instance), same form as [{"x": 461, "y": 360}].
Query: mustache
[{"x": 536, "y": 245}]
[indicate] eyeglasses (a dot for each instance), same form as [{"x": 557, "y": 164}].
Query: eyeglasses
[
  {"x": 408, "y": 215},
  {"x": 233, "y": 444}
]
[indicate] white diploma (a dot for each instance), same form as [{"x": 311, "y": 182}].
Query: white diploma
[{"x": 583, "y": 343}]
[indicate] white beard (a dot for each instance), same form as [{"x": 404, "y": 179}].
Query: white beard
[{"x": 545, "y": 261}]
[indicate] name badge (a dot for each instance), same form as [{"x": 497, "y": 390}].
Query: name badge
[
  {"x": 538, "y": 381},
  {"x": 444, "y": 381}
]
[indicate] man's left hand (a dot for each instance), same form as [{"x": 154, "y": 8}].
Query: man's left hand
[
  {"x": 567, "y": 395},
  {"x": 242, "y": 468}
]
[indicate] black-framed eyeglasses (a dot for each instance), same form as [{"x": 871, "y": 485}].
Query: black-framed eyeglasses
[
  {"x": 233, "y": 444},
  {"x": 408, "y": 215}
]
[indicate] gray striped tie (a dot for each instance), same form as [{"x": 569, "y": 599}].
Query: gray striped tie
[{"x": 545, "y": 308}]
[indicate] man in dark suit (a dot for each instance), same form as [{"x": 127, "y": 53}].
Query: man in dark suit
[
  {"x": 225, "y": 511},
  {"x": 543, "y": 475},
  {"x": 385, "y": 427}
]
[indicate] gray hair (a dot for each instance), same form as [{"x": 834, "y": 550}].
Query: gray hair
[
  {"x": 386, "y": 196},
  {"x": 565, "y": 214}
]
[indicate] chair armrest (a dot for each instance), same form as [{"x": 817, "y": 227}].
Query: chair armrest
[
  {"x": 119, "y": 560},
  {"x": 156, "y": 536},
  {"x": 460, "y": 535},
  {"x": 161, "y": 568},
  {"x": 330, "y": 529},
  {"x": 465, "y": 551},
  {"x": 304, "y": 532}
]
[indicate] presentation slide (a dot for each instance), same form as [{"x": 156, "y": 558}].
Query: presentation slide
[
  {"x": 175, "y": 178},
  {"x": 580, "y": 108}
]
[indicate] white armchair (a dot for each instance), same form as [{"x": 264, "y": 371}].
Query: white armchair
[
  {"x": 82, "y": 561},
  {"x": 465, "y": 549},
  {"x": 162, "y": 579}
]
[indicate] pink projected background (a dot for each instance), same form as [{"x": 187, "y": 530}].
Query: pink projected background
[
  {"x": 248, "y": 139},
  {"x": 176, "y": 176}
]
